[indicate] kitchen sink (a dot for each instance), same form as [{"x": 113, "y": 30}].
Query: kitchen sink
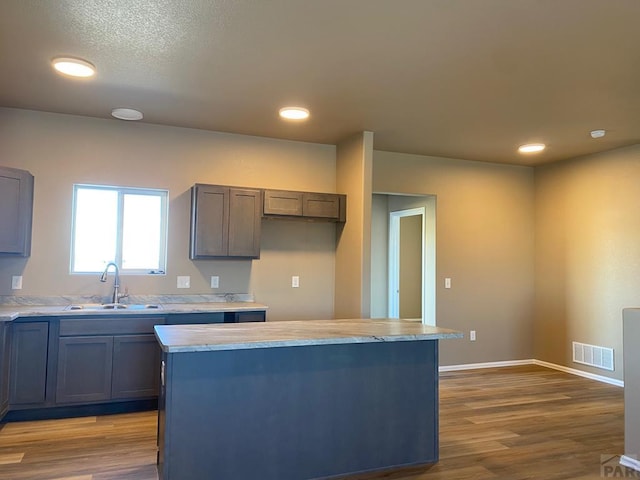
[{"x": 113, "y": 306}]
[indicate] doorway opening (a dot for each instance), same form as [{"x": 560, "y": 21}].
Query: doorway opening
[{"x": 403, "y": 272}]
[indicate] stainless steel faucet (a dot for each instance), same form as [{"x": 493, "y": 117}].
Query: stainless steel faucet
[{"x": 116, "y": 282}]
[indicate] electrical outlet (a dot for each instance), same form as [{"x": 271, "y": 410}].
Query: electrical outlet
[
  {"x": 447, "y": 283},
  {"x": 184, "y": 282},
  {"x": 295, "y": 281},
  {"x": 16, "y": 282},
  {"x": 215, "y": 282},
  {"x": 472, "y": 336}
]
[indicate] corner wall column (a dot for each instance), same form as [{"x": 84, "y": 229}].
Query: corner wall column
[{"x": 354, "y": 174}]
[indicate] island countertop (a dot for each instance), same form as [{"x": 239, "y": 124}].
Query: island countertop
[{"x": 203, "y": 338}]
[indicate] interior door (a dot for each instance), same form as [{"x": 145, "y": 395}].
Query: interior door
[{"x": 406, "y": 263}]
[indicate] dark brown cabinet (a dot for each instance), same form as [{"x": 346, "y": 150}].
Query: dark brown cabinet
[
  {"x": 16, "y": 210},
  {"x": 225, "y": 222},
  {"x": 308, "y": 205}
]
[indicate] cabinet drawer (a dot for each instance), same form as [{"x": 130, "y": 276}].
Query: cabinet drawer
[
  {"x": 195, "y": 318},
  {"x": 108, "y": 326},
  {"x": 241, "y": 317},
  {"x": 321, "y": 205},
  {"x": 279, "y": 202}
]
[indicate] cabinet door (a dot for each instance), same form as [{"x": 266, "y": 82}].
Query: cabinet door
[
  {"x": 209, "y": 221},
  {"x": 5, "y": 350},
  {"x": 279, "y": 202},
  {"x": 84, "y": 369},
  {"x": 28, "y": 370},
  {"x": 321, "y": 205},
  {"x": 245, "y": 208},
  {"x": 16, "y": 206},
  {"x": 136, "y": 366}
]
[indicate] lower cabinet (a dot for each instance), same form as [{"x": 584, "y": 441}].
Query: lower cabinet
[
  {"x": 53, "y": 362},
  {"x": 92, "y": 369},
  {"x": 96, "y": 364},
  {"x": 28, "y": 369},
  {"x": 5, "y": 352}
]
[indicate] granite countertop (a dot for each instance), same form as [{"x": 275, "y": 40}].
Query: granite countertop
[
  {"x": 172, "y": 304},
  {"x": 202, "y": 338}
]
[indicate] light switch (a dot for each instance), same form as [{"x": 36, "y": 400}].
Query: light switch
[
  {"x": 215, "y": 282},
  {"x": 16, "y": 282},
  {"x": 184, "y": 282},
  {"x": 295, "y": 281},
  {"x": 447, "y": 283}
]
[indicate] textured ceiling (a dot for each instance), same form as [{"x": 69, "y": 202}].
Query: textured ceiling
[{"x": 466, "y": 79}]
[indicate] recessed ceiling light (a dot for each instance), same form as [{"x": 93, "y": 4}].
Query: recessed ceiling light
[
  {"x": 531, "y": 148},
  {"x": 74, "y": 67},
  {"x": 126, "y": 114},
  {"x": 597, "y": 133},
  {"x": 294, "y": 113}
]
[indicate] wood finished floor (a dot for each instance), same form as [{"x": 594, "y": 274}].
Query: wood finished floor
[{"x": 512, "y": 423}]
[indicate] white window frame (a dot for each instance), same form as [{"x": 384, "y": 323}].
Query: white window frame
[{"x": 121, "y": 191}]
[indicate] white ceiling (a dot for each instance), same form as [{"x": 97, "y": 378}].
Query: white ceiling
[{"x": 466, "y": 79}]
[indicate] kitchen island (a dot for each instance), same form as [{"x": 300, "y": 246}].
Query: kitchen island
[{"x": 297, "y": 400}]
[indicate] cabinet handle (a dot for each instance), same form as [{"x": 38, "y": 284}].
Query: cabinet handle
[{"x": 162, "y": 373}]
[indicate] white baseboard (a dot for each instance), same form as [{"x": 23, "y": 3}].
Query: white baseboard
[
  {"x": 580, "y": 373},
  {"x": 474, "y": 366},
  {"x": 533, "y": 361},
  {"x": 630, "y": 462}
]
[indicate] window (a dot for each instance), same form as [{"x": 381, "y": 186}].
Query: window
[{"x": 124, "y": 225}]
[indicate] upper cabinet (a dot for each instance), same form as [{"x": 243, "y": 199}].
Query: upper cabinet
[
  {"x": 16, "y": 210},
  {"x": 322, "y": 206},
  {"x": 225, "y": 222}
]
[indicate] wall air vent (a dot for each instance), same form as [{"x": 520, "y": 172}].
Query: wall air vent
[{"x": 592, "y": 355}]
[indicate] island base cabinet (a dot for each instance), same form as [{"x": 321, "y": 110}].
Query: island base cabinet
[{"x": 315, "y": 411}]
